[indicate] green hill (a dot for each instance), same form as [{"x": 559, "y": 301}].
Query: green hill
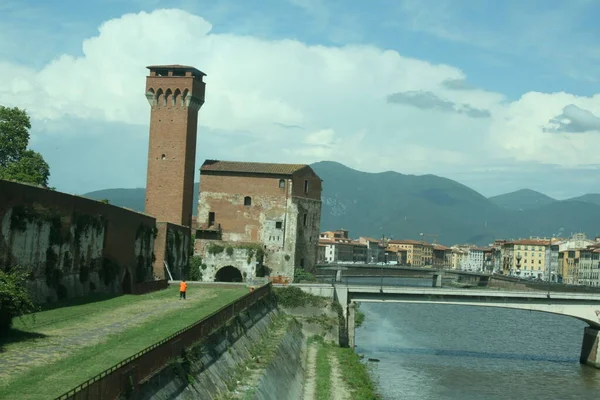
[
  {"x": 592, "y": 198},
  {"x": 402, "y": 206},
  {"x": 523, "y": 199}
]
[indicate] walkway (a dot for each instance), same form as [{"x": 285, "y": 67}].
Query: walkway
[{"x": 65, "y": 337}]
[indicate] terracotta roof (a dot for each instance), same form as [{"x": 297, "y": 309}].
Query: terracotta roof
[
  {"x": 251, "y": 167},
  {"x": 408, "y": 241},
  {"x": 440, "y": 247},
  {"x": 348, "y": 242},
  {"x": 368, "y": 239},
  {"x": 533, "y": 242}
]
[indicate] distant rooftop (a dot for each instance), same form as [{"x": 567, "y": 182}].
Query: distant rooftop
[
  {"x": 178, "y": 70},
  {"x": 251, "y": 167}
]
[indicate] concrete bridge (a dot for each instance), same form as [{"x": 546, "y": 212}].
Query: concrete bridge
[
  {"x": 583, "y": 306},
  {"x": 362, "y": 270}
]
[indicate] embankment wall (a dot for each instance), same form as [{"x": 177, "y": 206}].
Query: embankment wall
[{"x": 208, "y": 370}]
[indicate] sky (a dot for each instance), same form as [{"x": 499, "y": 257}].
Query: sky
[{"x": 498, "y": 95}]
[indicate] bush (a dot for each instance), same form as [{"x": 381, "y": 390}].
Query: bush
[
  {"x": 301, "y": 275},
  {"x": 359, "y": 316},
  {"x": 194, "y": 273},
  {"x": 14, "y": 298},
  {"x": 292, "y": 296}
]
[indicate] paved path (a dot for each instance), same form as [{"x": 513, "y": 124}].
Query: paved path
[{"x": 62, "y": 342}]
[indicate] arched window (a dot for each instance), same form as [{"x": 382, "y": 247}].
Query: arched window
[
  {"x": 282, "y": 183},
  {"x": 247, "y": 201}
]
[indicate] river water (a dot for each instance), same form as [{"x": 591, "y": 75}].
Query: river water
[{"x": 436, "y": 351}]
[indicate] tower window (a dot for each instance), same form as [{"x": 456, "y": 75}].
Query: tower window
[
  {"x": 282, "y": 183},
  {"x": 211, "y": 218},
  {"x": 247, "y": 201},
  {"x": 305, "y": 186},
  {"x": 305, "y": 219},
  {"x": 163, "y": 157},
  {"x": 278, "y": 224}
]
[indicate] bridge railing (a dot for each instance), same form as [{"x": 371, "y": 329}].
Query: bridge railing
[{"x": 126, "y": 375}]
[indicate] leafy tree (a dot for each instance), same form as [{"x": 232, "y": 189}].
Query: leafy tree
[
  {"x": 16, "y": 162},
  {"x": 14, "y": 298},
  {"x": 194, "y": 272}
]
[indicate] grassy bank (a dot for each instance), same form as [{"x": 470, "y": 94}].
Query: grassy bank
[
  {"x": 356, "y": 374},
  {"x": 323, "y": 373},
  {"x": 357, "y": 381},
  {"x": 338, "y": 372},
  {"x": 72, "y": 344}
]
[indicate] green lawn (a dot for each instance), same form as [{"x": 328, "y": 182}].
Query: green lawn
[{"x": 63, "y": 347}]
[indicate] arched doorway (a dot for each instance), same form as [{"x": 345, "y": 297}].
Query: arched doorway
[
  {"x": 126, "y": 284},
  {"x": 228, "y": 274}
]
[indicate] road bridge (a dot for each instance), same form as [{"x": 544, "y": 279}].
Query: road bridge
[
  {"x": 362, "y": 270},
  {"x": 583, "y": 306}
]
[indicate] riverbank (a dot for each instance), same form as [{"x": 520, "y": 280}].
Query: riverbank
[
  {"x": 331, "y": 372},
  {"x": 336, "y": 373}
]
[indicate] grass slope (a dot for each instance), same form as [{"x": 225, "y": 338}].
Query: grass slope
[{"x": 79, "y": 342}]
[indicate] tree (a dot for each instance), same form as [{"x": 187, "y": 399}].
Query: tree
[
  {"x": 14, "y": 298},
  {"x": 16, "y": 162}
]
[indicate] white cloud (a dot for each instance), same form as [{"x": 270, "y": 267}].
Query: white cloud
[{"x": 297, "y": 103}]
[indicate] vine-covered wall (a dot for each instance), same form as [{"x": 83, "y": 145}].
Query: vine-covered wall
[{"x": 72, "y": 246}]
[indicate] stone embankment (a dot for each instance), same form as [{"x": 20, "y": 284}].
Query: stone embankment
[{"x": 272, "y": 352}]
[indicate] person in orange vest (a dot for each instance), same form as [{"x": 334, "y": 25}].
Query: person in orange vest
[{"x": 182, "y": 289}]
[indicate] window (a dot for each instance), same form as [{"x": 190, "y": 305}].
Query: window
[
  {"x": 247, "y": 201},
  {"x": 211, "y": 218},
  {"x": 278, "y": 225},
  {"x": 281, "y": 183},
  {"x": 302, "y": 262},
  {"x": 163, "y": 157},
  {"x": 305, "y": 186},
  {"x": 305, "y": 219}
]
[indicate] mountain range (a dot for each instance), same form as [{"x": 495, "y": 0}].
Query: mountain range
[{"x": 401, "y": 206}]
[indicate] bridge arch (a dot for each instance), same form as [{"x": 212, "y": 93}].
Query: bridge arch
[{"x": 229, "y": 273}]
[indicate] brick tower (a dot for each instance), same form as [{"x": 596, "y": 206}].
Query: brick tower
[{"x": 175, "y": 93}]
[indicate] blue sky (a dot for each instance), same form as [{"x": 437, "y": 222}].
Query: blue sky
[{"x": 521, "y": 63}]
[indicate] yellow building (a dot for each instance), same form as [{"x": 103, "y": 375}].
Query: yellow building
[
  {"x": 527, "y": 258},
  {"x": 418, "y": 253},
  {"x": 568, "y": 266}
]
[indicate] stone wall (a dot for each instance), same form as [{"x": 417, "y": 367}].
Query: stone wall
[
  {"x": 262, "y": 210},
  {"x": 73, "y": 246},
  {"x": 245, "y": 257},
  {"x": 173, "y": 246}
]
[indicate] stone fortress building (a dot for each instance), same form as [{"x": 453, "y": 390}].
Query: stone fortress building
[
  {"x": 254, "y": 219},
  {"x": 269, "y": 213}
]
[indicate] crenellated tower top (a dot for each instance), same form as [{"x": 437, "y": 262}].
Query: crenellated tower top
[{"x": 175, "y": 86}]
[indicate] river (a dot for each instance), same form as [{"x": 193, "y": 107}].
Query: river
[{"x": 436, "y": 351}]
